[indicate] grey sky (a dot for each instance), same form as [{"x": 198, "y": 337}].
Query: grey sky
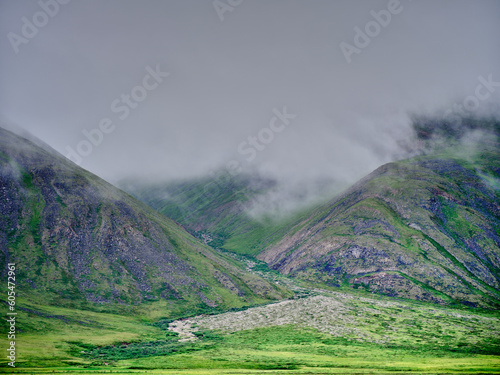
[{"x": 226, "y": 77}]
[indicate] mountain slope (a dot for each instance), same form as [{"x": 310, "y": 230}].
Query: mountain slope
[
  {"x": 75, "y": 237},
  {"x": 212, "y": 209},
  {"x": 426, "y": 228}
]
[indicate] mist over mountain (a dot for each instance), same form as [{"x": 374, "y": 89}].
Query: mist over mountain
[
  {"x": 424, "y": 227},
  {"x": 261, "y": 186},
  {"x": 275, "y": 196},
  {"x": 233, "y": 125}
]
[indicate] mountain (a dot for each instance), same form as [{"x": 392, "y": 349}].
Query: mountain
[
  {"x": 100, "y": 275},
  {"x": 77, "y": 239},
  {"x": 426, "y": 228},
  {"x": 214, "y": 209}
]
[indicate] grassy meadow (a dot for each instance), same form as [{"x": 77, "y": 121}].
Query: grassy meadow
[{"x": 324, "y": 333}]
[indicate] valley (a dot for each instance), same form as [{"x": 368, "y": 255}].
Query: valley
[
  {"x": 261, "y": 187},
  {"x": 399, "y": 273}
]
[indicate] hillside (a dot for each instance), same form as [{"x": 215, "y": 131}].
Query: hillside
[
  {"x": 101, "y": 276},
  {"x": 78, "y": 241},
  {"x": 426, "y": 228},
  {"x": 214, "y": 209}
]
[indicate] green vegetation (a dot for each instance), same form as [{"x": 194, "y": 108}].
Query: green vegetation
[
  {"x": 215, "y": 209},
  {"x": 424, "y": 228},
  {"x": 432, "y": 218},
  {"x": 419, "y": 337},
  {"x": 80, "y": 242},
  {"x": 106, "y": 284}
]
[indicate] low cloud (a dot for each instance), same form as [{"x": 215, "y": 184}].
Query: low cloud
[{"x": 227, "y": 78}]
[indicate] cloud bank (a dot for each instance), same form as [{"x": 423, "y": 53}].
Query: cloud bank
[{"x": 228, "y": 76}]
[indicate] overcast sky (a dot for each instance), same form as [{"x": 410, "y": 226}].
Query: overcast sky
[{"x": 230, "y": 70}]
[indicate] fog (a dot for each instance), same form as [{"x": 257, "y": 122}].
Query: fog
[{"x": 208, "y": 75}]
